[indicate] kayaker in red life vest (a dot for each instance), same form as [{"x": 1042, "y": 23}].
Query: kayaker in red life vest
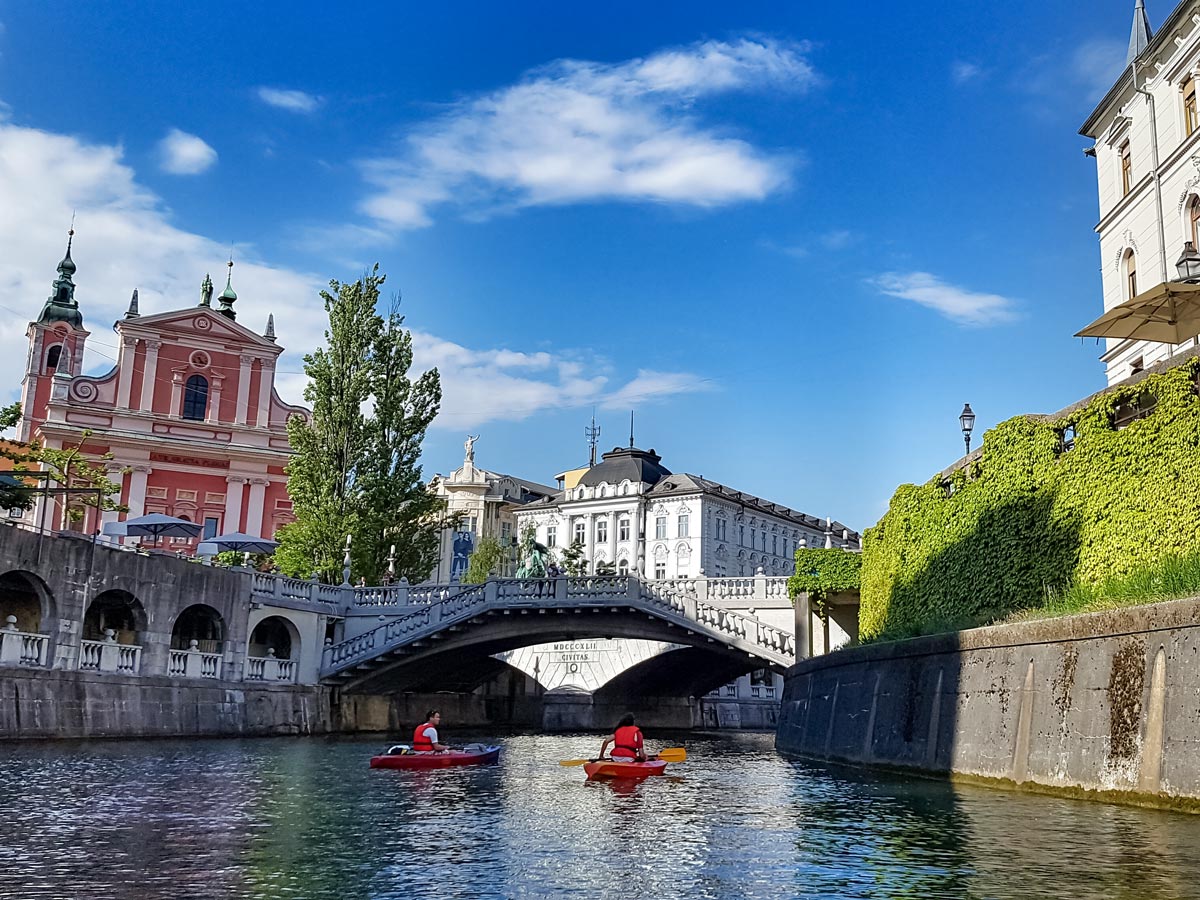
[
  {"x": 626, "y": 741},
  {"x": 425, "y": 737}
]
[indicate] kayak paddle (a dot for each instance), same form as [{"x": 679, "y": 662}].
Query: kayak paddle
[{"x": 671, "y": 754}]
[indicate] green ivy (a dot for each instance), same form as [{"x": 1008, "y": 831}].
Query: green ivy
[
  {"x": 821, "y": 572},
  {"x": 1032, "y": 517}
]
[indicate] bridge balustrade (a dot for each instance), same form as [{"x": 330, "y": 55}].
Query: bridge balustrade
[
  {"x": 109, "y": 656},
  {"x": 194, "y": 663},
  {"x": 22, "y": 648},
  {"x": 269, "y": 668}
]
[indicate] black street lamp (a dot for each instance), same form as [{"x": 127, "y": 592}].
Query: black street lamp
[
  {"x": 1188, "y": 264},
  {"x": 967, "y": 421}
]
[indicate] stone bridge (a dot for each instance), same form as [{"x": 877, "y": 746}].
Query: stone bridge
[{"x": 427, "y": 629}]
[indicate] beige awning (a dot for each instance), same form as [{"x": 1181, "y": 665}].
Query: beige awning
[{"x": 1168, "y": 313}]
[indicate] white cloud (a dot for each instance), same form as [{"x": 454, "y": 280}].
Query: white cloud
[
  {"x": 576, "y": 131},
  {"x": 292, "y": 101},
  {"x": 838, "y": 239},
  {"x": 185, "y": 154},
  {"x": 124, "y": 240},
  {"x": 958, "y": 304},
  {"x": 962, "y": 71}
]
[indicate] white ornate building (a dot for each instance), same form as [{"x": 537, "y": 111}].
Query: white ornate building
[
  {"x": 1147, "y": 150},
  {"x": 632, "y": 514},
  {"x": 484, "y": 504}
]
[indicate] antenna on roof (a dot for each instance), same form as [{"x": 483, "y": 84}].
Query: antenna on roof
[
  {"x": 631, "y": 429},
  {"x": 592, "y": 433}
]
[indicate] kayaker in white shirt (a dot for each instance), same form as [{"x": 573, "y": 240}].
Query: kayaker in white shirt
[{"x": 425, "y": 736}]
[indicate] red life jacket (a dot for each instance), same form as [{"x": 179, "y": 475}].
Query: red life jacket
[
  {"x": 420, "y": 743},
  {"x": 627, "y": 741}
]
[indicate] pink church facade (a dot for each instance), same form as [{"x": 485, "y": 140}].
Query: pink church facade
[{"x": 189, "y": 412}]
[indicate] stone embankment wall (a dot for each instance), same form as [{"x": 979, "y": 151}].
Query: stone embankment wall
[{"x": 1105, "y": 704}]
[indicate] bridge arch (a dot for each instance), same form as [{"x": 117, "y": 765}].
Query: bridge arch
[
  {"x": 26, "y": 596},
  {"x": 119, "y": 611},
  {"x": 680, "y": 672}
]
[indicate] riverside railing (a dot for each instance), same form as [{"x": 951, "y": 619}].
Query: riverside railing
[
  {"x": 194, "y": 663},
  {"x": 675, "y": 601},
  {"x": 22, "y": 648},
  {"x": 109, "y": 656}
]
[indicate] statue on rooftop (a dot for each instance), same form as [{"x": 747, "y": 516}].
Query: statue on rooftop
[{"x": 469, "y": 446}]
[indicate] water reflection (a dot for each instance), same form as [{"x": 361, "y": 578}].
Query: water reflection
[{"x": 308, "y": 819}]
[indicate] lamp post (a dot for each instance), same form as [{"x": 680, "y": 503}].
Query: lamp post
[
  {"x": 1188, "y": 264},
  {"x": 967, "y": 420}
]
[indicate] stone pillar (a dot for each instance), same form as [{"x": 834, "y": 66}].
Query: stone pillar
[
  {"x": 265, "y": 381},
  {"x": 233, "y": 504},
  {"x": 149, "y": 373},
  {"x": 125, "y": 371},
  {"x": 176, "y": 407},
  {"x": 243, "y": 393},
  {"x": 137, "y": 490},
  {"x": 803, "y": 626},
  {"x": 254, "y": 510},
  {"x": 614, "y": 519},
  {"x": 215, "y": 384},
  {"x": 116, "y": 474}
]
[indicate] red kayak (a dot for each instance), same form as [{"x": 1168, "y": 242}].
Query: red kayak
[
  {"x": 618, "y": 768},
  {"x": 410, "y": 760}
]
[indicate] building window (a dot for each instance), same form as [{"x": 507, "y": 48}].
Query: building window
[
  {"x": 741, "y": 535},
  {"x": 53, "y": 355},
  {"x": 775, "y": 545},
  {"x": 195, "y": 398},
  {"x": 1126, "y": 169},
  {"x": 551, "y": 535},
  {"x": 472, "y": 524},
  {"x": 660, "y": 527},
  {"x": 660, "y": 570},
  {"x": 1130, "y": 275},
  {"x": 753, "y": 538},
  {"x": 683, "y": 525},
  {"x": 211, "y": 524},
  {"x": 602, "y": 531},
  {"x": 580, "y": 532},
  {"x": 623, "y": 567},
  {"x": 1194, "y": 221},
  {"x": 623, "y": 529},
  {"x": 1190, "y": 120}
]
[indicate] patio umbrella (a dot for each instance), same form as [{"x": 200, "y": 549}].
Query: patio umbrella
[
  {"x": 154, "y": 525},
  {"x": 1168, "y": 313},
  {"x": 245, "y": 543}
]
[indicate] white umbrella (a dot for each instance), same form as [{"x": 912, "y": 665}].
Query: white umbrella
[
  {"x": 245, "y": 543},
  {"x": 154, "y": 525},
  {"x": 1168, "y": 313}
]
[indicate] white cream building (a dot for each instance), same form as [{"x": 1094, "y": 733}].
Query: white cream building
[
  {"x": 634, "y": 515},
  {"x": 1147, "y": 150}
]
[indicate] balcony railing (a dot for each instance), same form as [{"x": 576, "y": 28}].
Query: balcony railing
[
  {"x": 268, "y": 668},
  {"x": 22, "y": 648},
  {"x": 194, "y": 663},
  {"x": 109, "y": 656}
]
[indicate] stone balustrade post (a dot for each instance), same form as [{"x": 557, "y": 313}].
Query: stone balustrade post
[
  {"x": 191, "y": 663},
  {"x": 402, "y": 592},
  {"x": 560, "y": 588},
  {"x": 109, "y": 652},
  {"x": 690, "y": 609},
  {"x": 760, "y": 585},
  {"x": 701, "y": 586},
  {"x": 634, "y": 587},
  {"x": 803, "y": 626},
  {"x": 271, "y": 666},
  {"x": 491, "y": 591},
  {"x": 10, "y": 642}
]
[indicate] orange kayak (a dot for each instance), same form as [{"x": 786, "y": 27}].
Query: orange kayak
[{"x": 616, "y": 768}]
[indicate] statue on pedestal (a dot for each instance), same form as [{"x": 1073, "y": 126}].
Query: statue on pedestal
[{"x": 469, "y": 446}]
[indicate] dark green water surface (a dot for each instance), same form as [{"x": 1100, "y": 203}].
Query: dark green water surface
[{"x": 306, "y": 818}]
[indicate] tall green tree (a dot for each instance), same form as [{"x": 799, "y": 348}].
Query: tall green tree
[
  {"x": 485, "y": 561},
  {"x": 354, "y": 470}
]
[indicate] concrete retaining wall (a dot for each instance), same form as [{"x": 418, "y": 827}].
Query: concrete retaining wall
[{"x": 1105, "y": 703}]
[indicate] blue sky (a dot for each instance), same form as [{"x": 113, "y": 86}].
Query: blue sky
[{"x": 796, "y": 238}]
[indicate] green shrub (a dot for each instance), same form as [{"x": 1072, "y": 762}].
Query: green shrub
[
  {"x": 821, "y": 572},
  {"x": 1034, "y": 515}
]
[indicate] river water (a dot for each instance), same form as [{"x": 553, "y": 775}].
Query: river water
[{"x": 305, "y": 818}]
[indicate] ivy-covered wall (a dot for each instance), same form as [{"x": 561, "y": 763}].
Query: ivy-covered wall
[
  {"x": 1050, "y": 500},
  {"x": 821, "y": 572}
]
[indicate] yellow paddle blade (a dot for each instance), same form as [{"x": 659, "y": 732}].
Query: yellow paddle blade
[
  {"x": 673, "y": 754},
  {"x": 573, "y": 762}
]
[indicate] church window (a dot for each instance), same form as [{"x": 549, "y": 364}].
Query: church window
[
  {"x": 660, "y": 527},
  {"x": 551, "y": 535},
  {"x": 53, "y": 356},
  {"x": 1130, "y": 275},
  {"x": 623, "y": 529},
  {"x": 683, "y": 525},
  {"x": 195, "y": 398},
  {"x": 1126, "y": 169},
  {"x": 602, "y": 531},
  {"x": 1190, "y": 119}
]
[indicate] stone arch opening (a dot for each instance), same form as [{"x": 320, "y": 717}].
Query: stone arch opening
[
  {"x": 26, "y": 597},
  {"x": 275, "y": 637},
  {"x": 202, "y": 625},
  {"x": 119, "y": 611}
]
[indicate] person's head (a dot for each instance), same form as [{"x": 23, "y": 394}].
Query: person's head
[
  {"x": 433, "y": 716},
  {"x": 626, "y": 720}
]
